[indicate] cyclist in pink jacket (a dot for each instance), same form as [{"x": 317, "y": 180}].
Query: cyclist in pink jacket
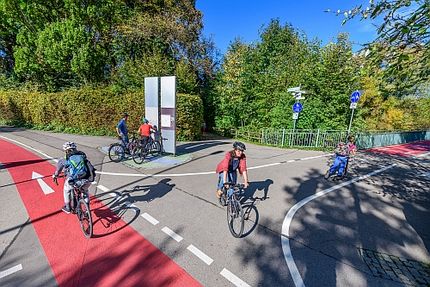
[{"x": 227, "y": 169}]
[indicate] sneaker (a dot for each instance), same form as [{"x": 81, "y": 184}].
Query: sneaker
[
  {"x": 219, "y": 193},
  {"x": 66, "y": 209}
]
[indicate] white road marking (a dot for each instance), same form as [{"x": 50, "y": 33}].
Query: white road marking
[
  {"x": 10, "y": 271},
  {"x": 172, "y": 234},
  {"x": 194, "y": 146},
  {"x": 265, "y": 165},
  {"x": 103, "y": 188},
  {"x": 204, "y": 172},
  {"x": 43, "y": 185},
  {"x": 423, "y": 154},
  {"x": 29, "y": 147},
  {"x": 233, "y": 278},
  {"x": 150, "y": 219},
  {"x": 202, "y": 256},
  {"x": 298, "y": 281}
]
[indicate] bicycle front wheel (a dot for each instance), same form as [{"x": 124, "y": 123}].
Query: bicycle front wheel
[
  {"x": 84, "y": 216},
  {"x": 139, "y": 155},
  {"x": 235, "y": 218},
  {"x": 116, "y": 152}
]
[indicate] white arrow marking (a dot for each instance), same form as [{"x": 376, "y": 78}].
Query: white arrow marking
[{"x": 46, "y": 188}]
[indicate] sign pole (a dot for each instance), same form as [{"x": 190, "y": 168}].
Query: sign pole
[
  {"x": 350, "y": 121},
  {"x": 355, "y": 96}
]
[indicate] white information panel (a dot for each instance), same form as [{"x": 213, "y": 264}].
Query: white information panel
[
  {"x": 168, "y": 113},
  {"x": 152, "y": 100}
]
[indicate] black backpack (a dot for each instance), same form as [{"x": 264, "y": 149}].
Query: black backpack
[{"x": 91, "y": 171}]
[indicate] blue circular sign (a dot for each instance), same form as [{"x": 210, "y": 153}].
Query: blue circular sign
[
  {"x": 297, "y": 107},
  {"x": 355, "y": 96}
]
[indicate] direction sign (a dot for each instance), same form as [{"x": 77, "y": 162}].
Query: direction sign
[
  {"x": 294, "y": 90},
  {"x": 353, "y": 105},
  {"x": 355, "y": 96},
  {"x": 297, "y": 107},
  {"x": 295, "y": 116}
]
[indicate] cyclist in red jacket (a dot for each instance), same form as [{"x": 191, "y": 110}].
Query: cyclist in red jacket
[{"x": 227, "y": 169}]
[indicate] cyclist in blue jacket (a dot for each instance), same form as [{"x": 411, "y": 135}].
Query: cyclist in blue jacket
[{"x": 74, "y": 171}]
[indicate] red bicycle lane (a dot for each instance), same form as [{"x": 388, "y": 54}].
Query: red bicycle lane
[{"x": 121, "y": 258}]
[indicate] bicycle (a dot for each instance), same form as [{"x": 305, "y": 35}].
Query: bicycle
[
  {"x": 79, "y": 205},
  {"x": 152, "y": 147},
  {"x": 117, "y": 151},
  {"x": 334, "y": 176},
  {"x": 235, "y": 214}
]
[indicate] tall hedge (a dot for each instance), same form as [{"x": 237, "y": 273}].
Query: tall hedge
[{"x": 92, "y": 111}]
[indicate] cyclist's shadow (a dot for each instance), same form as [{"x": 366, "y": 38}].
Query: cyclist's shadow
[
  {"x": 249, "y": 201},
  {"x": 110, "y": 211}
]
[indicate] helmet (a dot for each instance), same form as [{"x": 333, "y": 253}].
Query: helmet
[
  {"x": 144, "y": 120},
  {"x": 69, "y": 145},
  {"x": 125, "y": 115},
  {"x": 239, "y": 146}
]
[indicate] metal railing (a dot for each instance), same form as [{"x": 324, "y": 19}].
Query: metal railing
[{"x": 328, "y": 138}]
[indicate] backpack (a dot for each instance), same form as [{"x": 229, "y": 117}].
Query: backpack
[
  {"x": 77, "y": 166},
  {"x": 91, "y": 171}
]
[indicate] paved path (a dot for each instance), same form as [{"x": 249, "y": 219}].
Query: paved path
[{"x": 331, "y": 237}]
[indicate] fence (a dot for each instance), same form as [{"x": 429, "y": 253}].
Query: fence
[{"x": 328, "y": 138}]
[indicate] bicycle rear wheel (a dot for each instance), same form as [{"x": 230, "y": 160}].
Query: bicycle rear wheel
[
  {"x": 116, "y": 152},
  {"x": 156, "y": 148},
  {"x": 84, "y": 217},
  {"x": 235, "y": 218},
  {"x": 139, "y": 155}
]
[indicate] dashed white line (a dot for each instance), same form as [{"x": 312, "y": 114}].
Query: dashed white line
[
  {"x": 233, "y": 278},
  {"x": 103, "y": 188},
  {"x": 10, "y": 270},
  {"x": 298, "y": 281},
  {"x": 200, "y": 254},
  {"x": 193, "y": 146},
  {"x": 172, "y": 234},
  {"x": 150, "y": 219}
]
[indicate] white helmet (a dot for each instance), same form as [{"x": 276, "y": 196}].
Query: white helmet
[{"x": 69, "y": 145}]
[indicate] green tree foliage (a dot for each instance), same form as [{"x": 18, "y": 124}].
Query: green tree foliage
[
  {"x": 402, "y": 46},
  {"x": 69, "y": 43},
  {"x": 253, "y": 82}
]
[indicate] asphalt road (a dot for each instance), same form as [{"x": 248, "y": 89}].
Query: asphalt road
[{"x": 371, "y": 229}]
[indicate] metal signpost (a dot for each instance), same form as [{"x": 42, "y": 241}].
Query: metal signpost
[
  {"x": 297, "y": 107},
  {"x": 355, "y": 96}
]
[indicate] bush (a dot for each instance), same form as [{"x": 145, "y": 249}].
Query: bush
[{"x": 92, "y": 111}]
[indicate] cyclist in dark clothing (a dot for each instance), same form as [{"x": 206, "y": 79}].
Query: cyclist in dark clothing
[{"x": 122, "y": 130}]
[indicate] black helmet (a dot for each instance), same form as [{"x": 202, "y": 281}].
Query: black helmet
[
  {"x": 239, "y": 146},
  {"x": 125, "y": 115}
]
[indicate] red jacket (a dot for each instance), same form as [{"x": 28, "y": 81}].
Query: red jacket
[{"x": 223, "y": 165}]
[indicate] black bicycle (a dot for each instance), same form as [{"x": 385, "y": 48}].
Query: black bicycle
[
  {"x": 80, "y": 205},
  {"x": 117, "y": 151},
  {"x": 152, "y": 147},
  {"x": 235, "y": 215}
]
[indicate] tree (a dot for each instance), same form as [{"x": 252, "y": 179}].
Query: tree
[{"x": 402, "y": 46}]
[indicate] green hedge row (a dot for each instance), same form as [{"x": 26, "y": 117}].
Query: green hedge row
[{"x": 92, "y": 111}]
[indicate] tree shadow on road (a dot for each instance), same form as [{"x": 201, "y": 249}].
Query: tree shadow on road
[
  {"x": 115, "y": 210},
  {"x": 372, "y": 213}
]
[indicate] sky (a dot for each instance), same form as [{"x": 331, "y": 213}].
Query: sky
[{"x": 225, "y": 20}]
